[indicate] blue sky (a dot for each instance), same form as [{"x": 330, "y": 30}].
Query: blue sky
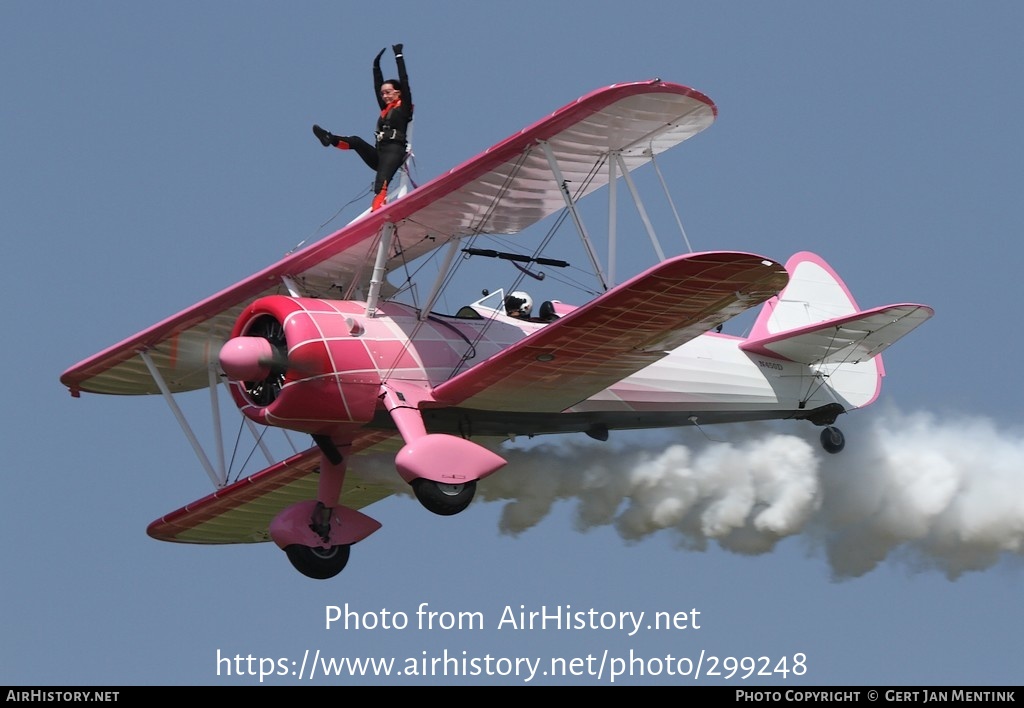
[{"x": 154, "y": 154}]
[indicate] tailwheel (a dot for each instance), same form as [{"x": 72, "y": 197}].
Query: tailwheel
[
  {"x": 833, "y": 440},
  {"x": 443, "y": 499},
  {"x": 318, "y": 563}
]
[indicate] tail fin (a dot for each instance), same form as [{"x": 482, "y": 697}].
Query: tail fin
[
  {"x": 815, "y": 321},
  {"x": 815, "y": 293}
]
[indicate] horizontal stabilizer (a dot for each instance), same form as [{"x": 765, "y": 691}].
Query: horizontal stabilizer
[
  {"x": 617, "y": 334},
  {"x": 848, "y": 339}
]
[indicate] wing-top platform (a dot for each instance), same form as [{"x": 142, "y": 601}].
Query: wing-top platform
[
  {"x": 501, "y": 191},
  {"x": 617, "y": 334}
]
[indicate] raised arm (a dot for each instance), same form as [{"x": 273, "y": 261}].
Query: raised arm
[
  {"x": 378, "y": 78},
  {"x": 403, "y": 76}
]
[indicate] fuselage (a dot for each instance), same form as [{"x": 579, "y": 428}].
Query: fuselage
[{"x": 338, "y": 358}]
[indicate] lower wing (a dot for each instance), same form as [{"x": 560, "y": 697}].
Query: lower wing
[{"x": 242, "y": 512}]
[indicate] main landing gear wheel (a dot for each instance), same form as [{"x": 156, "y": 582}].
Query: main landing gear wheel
[
  {"x": 318, "y": 563},
  {"x": 443, "y": 499},
  {"x": 833, "y": 440}
]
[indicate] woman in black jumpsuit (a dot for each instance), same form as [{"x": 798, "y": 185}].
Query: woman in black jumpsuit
[{"x": 388, "y": 152}]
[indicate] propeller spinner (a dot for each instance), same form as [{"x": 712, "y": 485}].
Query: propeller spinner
[{"x": 259, "y": 359}]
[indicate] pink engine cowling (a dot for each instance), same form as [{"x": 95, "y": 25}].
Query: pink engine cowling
[{"x": 299, "y": 363}]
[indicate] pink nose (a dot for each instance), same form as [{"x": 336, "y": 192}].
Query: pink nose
[{"x": 246, "y": 358}]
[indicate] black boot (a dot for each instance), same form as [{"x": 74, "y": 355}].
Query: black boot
[{"x": 324, "y": 137}]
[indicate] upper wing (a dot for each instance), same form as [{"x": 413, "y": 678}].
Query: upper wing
[
  {"x": 242, "y": 512},
  {"x": 502, "y": 190},
  {"x": 851, "y": 338},
  {"x": 617, "y": 334}
]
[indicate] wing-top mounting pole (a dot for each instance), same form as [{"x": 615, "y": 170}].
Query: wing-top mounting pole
[
  {"x": 292, "y": 286},
  {"x": 571, "y": 206},
  {"x": 383, "y": 248},
  {"x": 203, "y": 459},
  {"x": 640, "y": 207}
]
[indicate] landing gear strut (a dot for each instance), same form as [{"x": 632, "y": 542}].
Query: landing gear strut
[{"x": 317, "y": 534}]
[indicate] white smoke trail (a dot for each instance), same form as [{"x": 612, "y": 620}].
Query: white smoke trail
[{"x": 942, "y": 495}]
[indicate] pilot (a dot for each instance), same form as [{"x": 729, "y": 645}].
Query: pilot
[
  {"x": 519, "y": 305},
  {"x": 388, "y": 153}
]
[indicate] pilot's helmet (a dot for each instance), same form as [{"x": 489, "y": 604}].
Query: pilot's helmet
[{"x": 519, "y": 304}]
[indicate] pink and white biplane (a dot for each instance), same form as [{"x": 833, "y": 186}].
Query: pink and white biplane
[{"x": 322, "y": 343}]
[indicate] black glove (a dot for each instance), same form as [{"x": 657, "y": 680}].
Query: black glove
[
  {"x": 376, "y": 60},
  {"x": 397, "y": 48}
]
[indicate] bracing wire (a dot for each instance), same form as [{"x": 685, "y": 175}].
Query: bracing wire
[
  {"x": 343, "y": 207},
  {"x": 671, "y": 203}
]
